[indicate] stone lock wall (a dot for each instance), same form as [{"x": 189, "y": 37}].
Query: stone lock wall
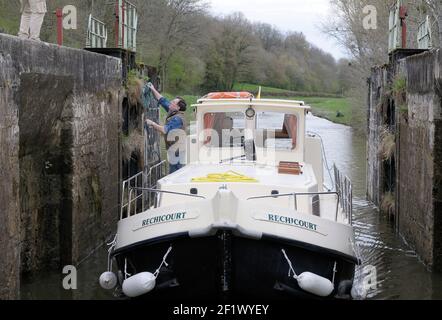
[
  {"x": 418, "y": 152},
  {"x": 378, "y": 87},
  {"x": 9, "y": 182},
  {"x": 60, "y": 124},
  {"x": 420, "y": 168}
]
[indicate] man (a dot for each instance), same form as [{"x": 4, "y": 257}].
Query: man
[
  {"x": 173, "y": 129},
  {"x": 33, "y": 13}
]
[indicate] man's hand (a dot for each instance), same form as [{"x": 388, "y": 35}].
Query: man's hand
[
  {"x": 155, "y": 92},
  {"x": 155, "y": 126}
]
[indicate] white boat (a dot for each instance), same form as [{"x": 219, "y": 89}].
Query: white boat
[{"x": 248, "y": 217}]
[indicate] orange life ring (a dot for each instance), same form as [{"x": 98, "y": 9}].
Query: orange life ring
[{"x": 229, "y": 95}]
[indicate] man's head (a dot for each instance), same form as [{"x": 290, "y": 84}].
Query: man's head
[{"x": 178, "y": 104}]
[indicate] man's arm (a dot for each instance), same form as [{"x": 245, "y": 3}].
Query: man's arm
[
  {"x": 156, "y": 126},
  {"x": 174, "y": 124},
  {"x": 162, "y": 101}
]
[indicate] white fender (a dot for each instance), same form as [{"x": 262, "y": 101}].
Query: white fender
[
  {"x": 108, "y": 280},
  {"x": 139, "y": 284},
  {"x": 315, "y": 284}
]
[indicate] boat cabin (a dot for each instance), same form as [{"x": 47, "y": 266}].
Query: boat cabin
[{"x": 261, "y": 130}]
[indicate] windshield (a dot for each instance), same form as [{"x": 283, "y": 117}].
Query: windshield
[
  {"x": 277, "y": 130},
  {"x": 274, "y": 130},
  {"x": 224, "y": 129}
]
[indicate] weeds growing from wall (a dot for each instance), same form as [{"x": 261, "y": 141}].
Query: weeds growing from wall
[
  {"x": 387, "y": 146},
  {"x": 134, "y": 88},
  {"x": 400, "y": 94},
  {"x": 383, "y": 102},
  {"x": 388, "y": 205}
]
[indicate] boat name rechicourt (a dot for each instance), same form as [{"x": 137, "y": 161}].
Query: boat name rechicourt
[
  {"x": 164, "y": 218},
  {"x": 292, "y": 221}
]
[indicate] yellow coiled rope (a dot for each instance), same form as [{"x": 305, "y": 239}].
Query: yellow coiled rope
[{"x": 229, "y": 176}]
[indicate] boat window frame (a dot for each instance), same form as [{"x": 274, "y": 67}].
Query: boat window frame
[
  {"x": 263, "y": 155},
  {"x": 220, "y": 146},
  {"x": 295, "y": 114}
]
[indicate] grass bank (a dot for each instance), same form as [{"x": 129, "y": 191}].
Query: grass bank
[{"x": 328, "y": 108}]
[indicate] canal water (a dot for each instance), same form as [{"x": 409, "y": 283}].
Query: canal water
[{"x": 385, "y": 256}]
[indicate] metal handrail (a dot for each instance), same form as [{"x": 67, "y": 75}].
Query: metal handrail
[
  {"x": 324, "y": 158},
  {"x": 344, "y": 193},
  {"x": 156, "y": 166},
  {"x": 150, "y": 190},
  {"x": 296, "y": 194},
  {"x": 169, "y": 192},
  {"x": 424, "y": 37},
  {"x": 344, "y": 187},
  {"x": 158, "y": 169},
  {"x": 126, "y": 192},
  {"x": 319, "y": 194},
  {"x": 128, "y": 25},
  {"x": 140, "y": 179},
  {"x": 272, "y": 196},
  {"x": 96, "y": 33}
]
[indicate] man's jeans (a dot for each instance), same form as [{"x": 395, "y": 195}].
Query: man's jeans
[
  {"x": 174, "y": 167},
  {"x": 175, "y": 159}
]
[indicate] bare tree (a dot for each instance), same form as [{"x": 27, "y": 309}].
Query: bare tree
[
  {"x": 366, "y": 47},
  {"x": 171, "y": 25},
  {"x": 345, "y": 25},
  {"x": 269, "y": 36},
  {"x": 232, "y": 52},
  {"x": 435, "y": 9}
]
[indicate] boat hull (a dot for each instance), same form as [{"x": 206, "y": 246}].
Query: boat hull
[{"x": 225, "y": 266}]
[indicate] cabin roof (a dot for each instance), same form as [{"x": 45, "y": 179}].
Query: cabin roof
[{"x": 246, "y": 103}]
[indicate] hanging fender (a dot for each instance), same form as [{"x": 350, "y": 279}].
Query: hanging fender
[{"x": 311, "y": 282}]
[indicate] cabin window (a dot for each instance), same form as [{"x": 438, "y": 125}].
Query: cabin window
[
  {"x": 224, "y": 129},
  {"x": 277, "y": 130}
]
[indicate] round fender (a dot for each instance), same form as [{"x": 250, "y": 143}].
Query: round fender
[
  {"x": 139, "y": 284},
  {"x": 108, "y": 280},
  {"x": 315, "y": 284}
]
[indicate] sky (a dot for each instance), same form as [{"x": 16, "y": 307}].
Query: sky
[{"x": 287, "y": 15}]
